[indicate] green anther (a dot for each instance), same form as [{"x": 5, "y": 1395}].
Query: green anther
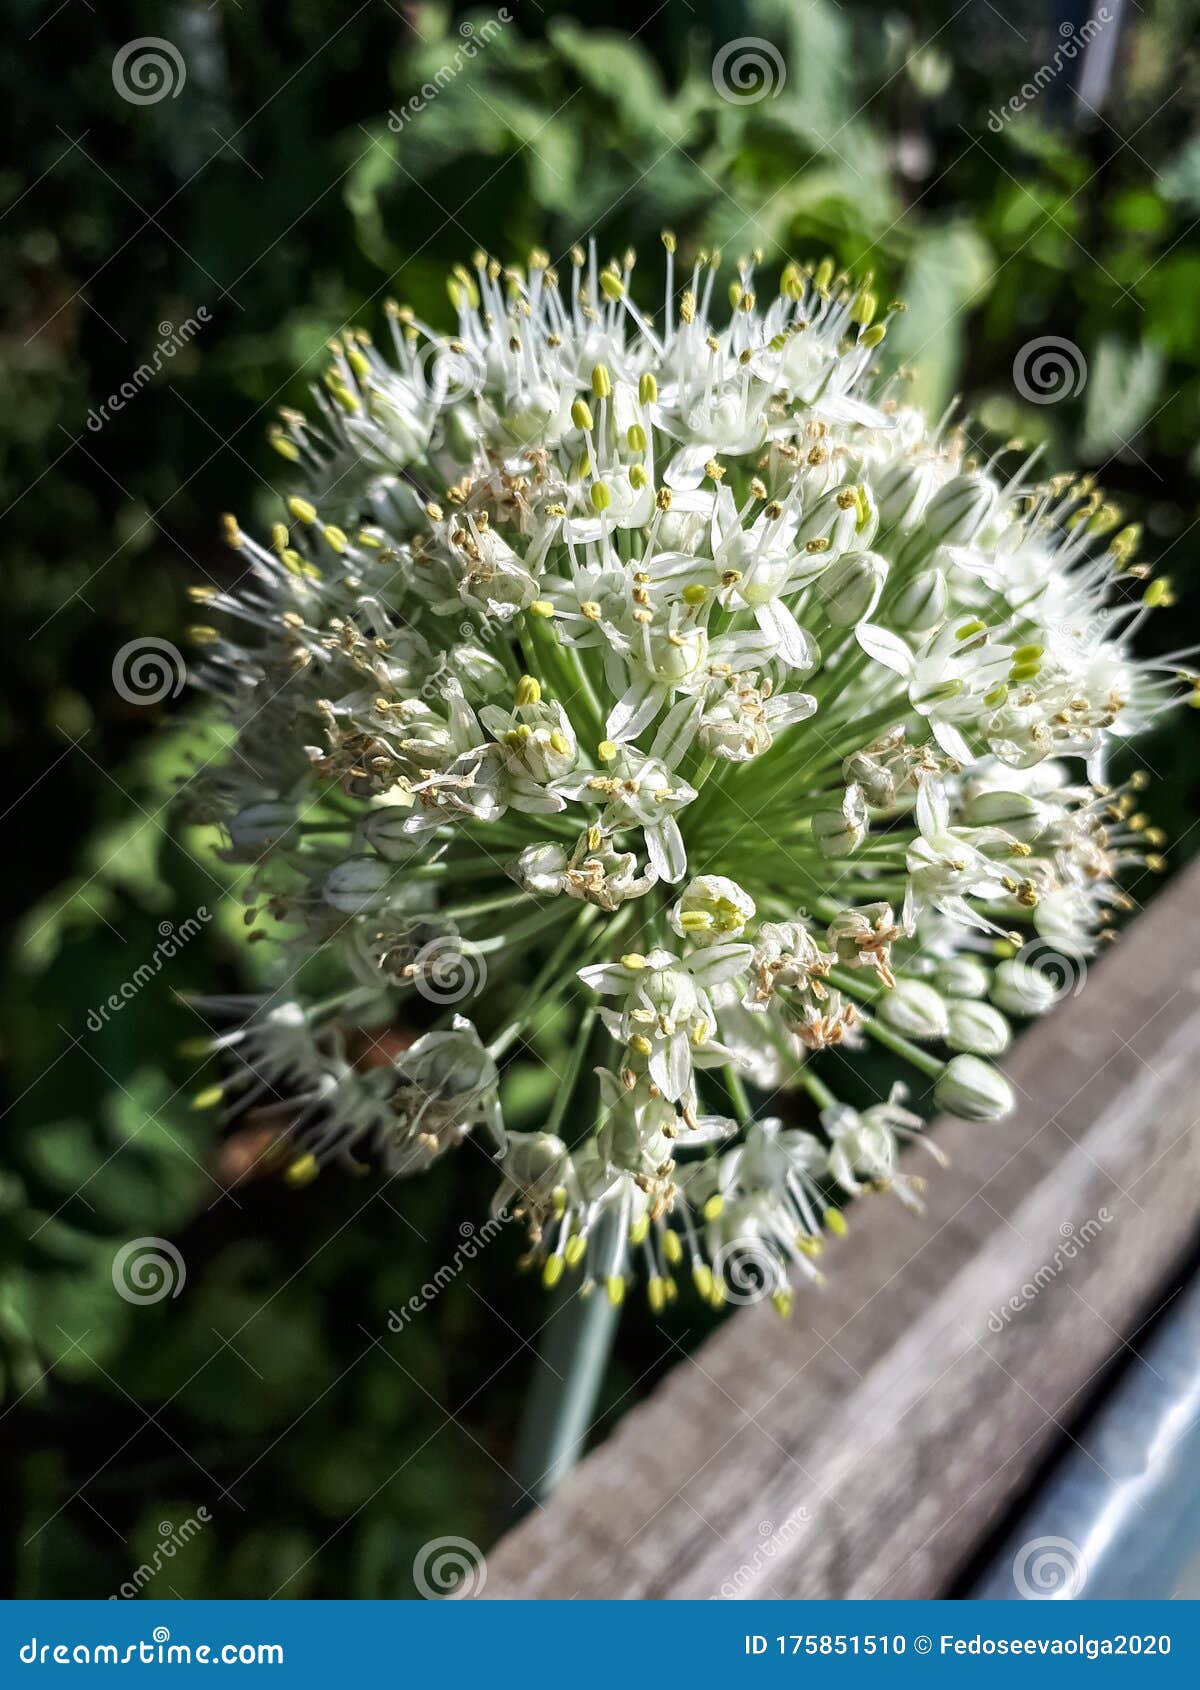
[
  {"x": 872, "y": 337},
  {"x": 611, "y": 285},
  {"x": 864, "y": 308},
  {"x": 997, "y": 696},
  {"x": 601, "y": 497},
  {"x": 638, "y": 476},
  {"x": 285, "y": 447},
  {"x": 1026, "y": 653},
  {"x": 945, "y": 690},
  {"x": 791, "y": 282},
  {"x": 601, "y": 382},
  {"x": 648, "y": 388},
  {"x": 969, "y": 629},
  {"x": 695, "y": 594},
  {"x": 581, "y": 415},
  {"x": 302, "y": 510},
  {"x": 824, "y": 275},
  {"x": 1024, "y": 672},
  {"x": 636, "y": 436}
]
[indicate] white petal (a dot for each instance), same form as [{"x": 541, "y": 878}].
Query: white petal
[
  {"x": 664, "y": 847},
  {"x": 795, "y": 645},
  {"x": 720, "y": 962},
  {"x": 677, "y": 731},
  {"x": 885, "y": 647},
  {"x": 634, "y": 710},
  {"x": 950, "y": 740}
]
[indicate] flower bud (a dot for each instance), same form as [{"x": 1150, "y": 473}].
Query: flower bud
[
  {"x": 385, "y": 830},
  {"x": 902, "y": 491},
  {"x": 263, "y": 824},
  {"x": 920, "y": 603},
  {"x": 1019, "y": 988},
  {"x": 358, "y": 885},
  {"x": 462, "y": 434},
  {"x": 849, "y": 589},
  {"x": 953, "y": 517},
  {"x": 977, "y": 1027},
  {"x": 914, "y": 1008},
  {"x": 962, "y": 977},
  {"x": 840, "y": 832},
  {"x": 959, "y": 510},
  {"x": 1016, "y": 812},
  {"x": 540, "y": 869},
  {"x": 969, "y": 1087}
]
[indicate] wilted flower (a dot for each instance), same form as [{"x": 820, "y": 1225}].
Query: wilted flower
[{"x": 674, "y": 685}]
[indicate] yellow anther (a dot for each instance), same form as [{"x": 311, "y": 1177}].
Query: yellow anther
[
  {"x": 302, "y": 1171},
  {"x": 529, "y": 691}
]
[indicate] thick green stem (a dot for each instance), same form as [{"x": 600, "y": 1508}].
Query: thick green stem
[{"x": 560, "y": 1410}]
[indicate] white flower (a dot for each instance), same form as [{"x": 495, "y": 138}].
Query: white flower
[{"x": 668, "y": 661}]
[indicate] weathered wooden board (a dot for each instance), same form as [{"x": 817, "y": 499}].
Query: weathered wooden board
[{"x": 864, "y": 1448}]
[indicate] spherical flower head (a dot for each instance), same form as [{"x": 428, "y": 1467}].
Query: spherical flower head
[{"x": 658, "y": 694}]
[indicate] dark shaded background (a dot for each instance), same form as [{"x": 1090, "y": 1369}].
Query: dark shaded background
[{"x": 271, "y": 193}]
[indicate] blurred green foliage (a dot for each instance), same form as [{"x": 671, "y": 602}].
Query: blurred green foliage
[{"x": 274, "y": 193}]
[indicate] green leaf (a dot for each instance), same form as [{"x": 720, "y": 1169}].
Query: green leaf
[{"x": 1123, "y": 384}]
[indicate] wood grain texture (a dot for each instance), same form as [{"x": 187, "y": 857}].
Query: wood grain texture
[{"x": 864, "y": 1448}]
